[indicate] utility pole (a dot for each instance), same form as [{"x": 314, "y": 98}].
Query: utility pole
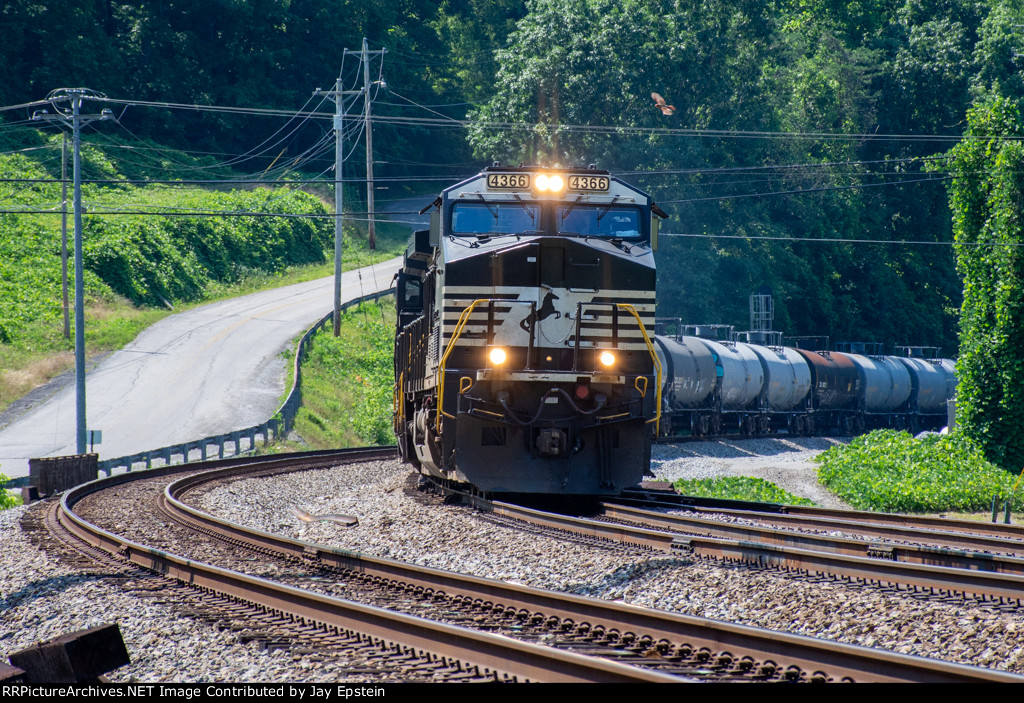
[
  {"x": 64, "y": 230},
  {"x": 338, "y": 97},
  {"x": 371, "y": 226},
  {"x": 76, "y": 120}
]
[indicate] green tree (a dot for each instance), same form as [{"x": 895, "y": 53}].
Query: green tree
[{"x": 987, "y": 199}]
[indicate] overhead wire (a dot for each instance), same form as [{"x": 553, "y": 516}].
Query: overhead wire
[{"x": 838, "y": 240}]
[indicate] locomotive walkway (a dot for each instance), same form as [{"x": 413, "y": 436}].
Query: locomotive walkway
[{"x": 206, "y": 371}]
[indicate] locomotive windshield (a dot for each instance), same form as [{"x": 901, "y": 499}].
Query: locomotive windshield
[
  {"x": 495, "y": 218},
  {"x": 599, "y": 221}
]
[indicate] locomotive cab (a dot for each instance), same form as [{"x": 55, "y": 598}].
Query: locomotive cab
[{"x": 523, "y": 360}]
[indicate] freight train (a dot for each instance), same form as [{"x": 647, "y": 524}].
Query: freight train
[
  {"x": 523, "y": 360},
  {"x": 526, "y": 360}
]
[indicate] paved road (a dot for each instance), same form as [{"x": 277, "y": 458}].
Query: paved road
[{"x": 206, "y": 371}]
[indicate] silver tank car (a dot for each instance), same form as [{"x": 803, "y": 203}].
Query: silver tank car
[
  {"x": 885, "y": 382},
  {"x": 688, "y": 370},
  {"x": 788, "y": 378},
  {"x": 933, "y": 382},
  {"x": 742, "y": 377},
  {"x": 714, "y": 386}
]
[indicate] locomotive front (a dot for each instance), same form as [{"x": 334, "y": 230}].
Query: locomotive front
[{"x": 523, "y": 362}]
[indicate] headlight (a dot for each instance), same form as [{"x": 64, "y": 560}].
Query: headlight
[
  {"x": 497, "y": 355},
  {"x": 606, "y": 358},
  {"x": 549, "y": 184}
]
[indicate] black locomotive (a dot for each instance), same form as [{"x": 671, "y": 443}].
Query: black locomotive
[{"x": 524, "y": 358}]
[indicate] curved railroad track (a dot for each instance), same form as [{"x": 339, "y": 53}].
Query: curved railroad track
[
  {"x": 902, "y": 553},
  {"x": 658, "y": 645}
]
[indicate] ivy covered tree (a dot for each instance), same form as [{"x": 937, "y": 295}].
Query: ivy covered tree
[{"x": 987, "y": 200}]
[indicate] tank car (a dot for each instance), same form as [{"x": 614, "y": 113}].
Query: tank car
[
  {"x": 523, "y": 362},
  {"x": 720, "y": 386}
]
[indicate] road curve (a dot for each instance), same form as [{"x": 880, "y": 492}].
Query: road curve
[{"x": 206, "y": 371}]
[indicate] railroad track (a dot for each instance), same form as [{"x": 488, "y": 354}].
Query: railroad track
[
  {"x": 659, "y": 646},
  {"x": 271, "y": 608},
  {"x": 995, "y": 579}
]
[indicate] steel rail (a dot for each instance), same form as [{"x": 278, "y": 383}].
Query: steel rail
[
  {"x": 920, "y": 576},
  {"x": 495, "y": 654},
  {"x": 961, "y": 534},
  {"x": 994, "y": 529},
  {"x": 852, "y": 546},
  {"x": 818, "y": 659}
]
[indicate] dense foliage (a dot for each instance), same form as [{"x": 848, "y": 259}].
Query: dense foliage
[
  {"x": 738, "y": 488},
  {"x": 892, "y": 471},
  {"x": 986, "y": 195},
  {"x": 348, "y": 381}
]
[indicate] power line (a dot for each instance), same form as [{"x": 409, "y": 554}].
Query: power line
[
  {"x": 257, "y": 111},
  {"x": 804, "y": 191},
  {"x": 839, "y": 240},
  {"x": 446, "y": 121}
]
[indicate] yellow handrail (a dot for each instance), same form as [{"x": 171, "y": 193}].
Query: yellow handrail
[
  {"x": 463, "y": 319},
  {"x": 657, "y": 364}
]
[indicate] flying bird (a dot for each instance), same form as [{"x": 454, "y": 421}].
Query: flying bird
[{"x": 660, "y": 102}]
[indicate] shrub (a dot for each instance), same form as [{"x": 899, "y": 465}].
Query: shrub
[
  {"x": 7, "y": 499},
  {"x": 892, "y": 471}
]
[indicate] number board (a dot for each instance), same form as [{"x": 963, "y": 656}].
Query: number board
[
  {"x": 508, "y": 181},
  {"x": 589, "y": 183}
]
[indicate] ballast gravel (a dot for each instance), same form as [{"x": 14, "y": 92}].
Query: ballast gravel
[{"x": 42, "y": 599}]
